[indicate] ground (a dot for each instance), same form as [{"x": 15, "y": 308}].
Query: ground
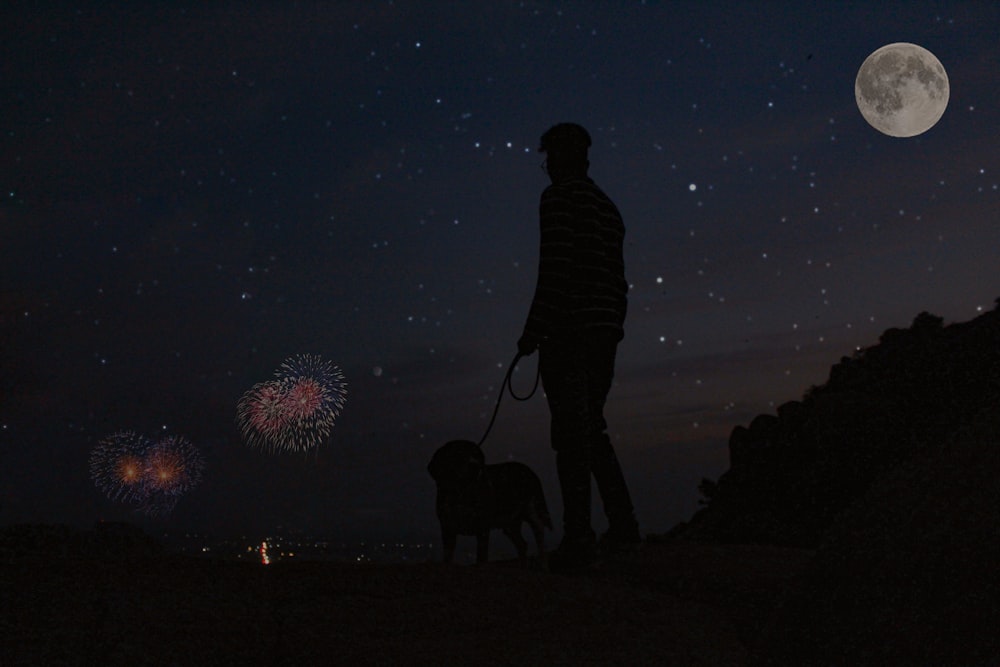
[{"x": 672, "y": 604}]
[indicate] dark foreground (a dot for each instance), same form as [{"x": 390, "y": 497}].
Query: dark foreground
[{"x": 673, "y": 604}]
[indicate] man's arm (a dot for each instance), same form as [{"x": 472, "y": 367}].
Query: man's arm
[{"x": 551, "y": 305}]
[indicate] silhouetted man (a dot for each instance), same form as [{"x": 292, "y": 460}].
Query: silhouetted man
[{"x": 575, "y": 322}]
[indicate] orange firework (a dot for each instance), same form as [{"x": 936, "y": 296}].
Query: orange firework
[
  {"x": 165, "y": 468},
  {"x": 172, "y": 466},
  {"x": 117, "y": 467},
  {"x": 130, "y": 467}
]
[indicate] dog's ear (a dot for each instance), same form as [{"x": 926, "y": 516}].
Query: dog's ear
[
  {"x": 472, "y": 457},
  {"x": 475, "y": 453}
]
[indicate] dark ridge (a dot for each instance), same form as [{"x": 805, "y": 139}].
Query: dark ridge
[
  {"x": 792, "y": 474},
  {"x": 106, "y": 540},
  {"x": 908, "y": 574}
]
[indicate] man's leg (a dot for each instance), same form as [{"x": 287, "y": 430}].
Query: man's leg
[
  {"x": 573, "y": 466},
  {"x": 622, "y": 525},
  {"x": 564, "y": 380},
  {"x": 611, "y": 485}
]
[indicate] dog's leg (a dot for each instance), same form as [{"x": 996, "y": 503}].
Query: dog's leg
[
  {"x": 538, "y": 530},
  {"x": 482, "y": 546},
  {"x": 513, "y": 532}
]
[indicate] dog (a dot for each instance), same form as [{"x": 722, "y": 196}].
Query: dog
[{"x": 473, "y": 498}]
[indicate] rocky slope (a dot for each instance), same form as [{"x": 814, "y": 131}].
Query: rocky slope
[
  {"x": 792, "y": 474},
  {"x": 891, "y": 470}
]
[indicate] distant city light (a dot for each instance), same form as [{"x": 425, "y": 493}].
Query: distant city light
[{"x": 264, "y": 558}]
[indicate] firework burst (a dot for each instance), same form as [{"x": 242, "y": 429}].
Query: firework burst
[
  {"x": 117, "y": 468},
  {"x": 172, "y": 466},
  {"x": 132, "y": 468},
  {"x": 296, "y": 411},
  {"x": 316, "y": 395},
  {"x": 262, "y": 414}
]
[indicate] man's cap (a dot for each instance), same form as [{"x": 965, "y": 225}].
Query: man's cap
[{"x": 565, "y": 137}]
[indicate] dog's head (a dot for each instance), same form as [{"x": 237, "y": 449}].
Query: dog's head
[{"x": 457, "y": 464}]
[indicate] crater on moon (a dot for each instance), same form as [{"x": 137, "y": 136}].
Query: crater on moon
[{"x": 902, "y": 89}]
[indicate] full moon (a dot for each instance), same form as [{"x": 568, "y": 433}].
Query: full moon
[{"x": 901, "y": 89}]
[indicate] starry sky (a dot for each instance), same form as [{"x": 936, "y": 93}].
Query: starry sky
[{"x": 191, "y": 195}]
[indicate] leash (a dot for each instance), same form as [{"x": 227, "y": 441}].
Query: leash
[{"x": 509, "y": 387}]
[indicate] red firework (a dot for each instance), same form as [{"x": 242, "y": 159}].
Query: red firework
[
  {"x": 305, "y": 397},
  {"x": 296, "y": 411},
  {"x": 262, "y": 413}
]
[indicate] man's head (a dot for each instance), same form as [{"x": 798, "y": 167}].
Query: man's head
[{"x": 565, "y": 146}]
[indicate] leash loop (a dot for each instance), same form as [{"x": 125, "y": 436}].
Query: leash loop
[{"x": 507, "y": 386}]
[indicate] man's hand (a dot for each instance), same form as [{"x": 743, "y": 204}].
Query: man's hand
[{"x": 527, "y": 345}]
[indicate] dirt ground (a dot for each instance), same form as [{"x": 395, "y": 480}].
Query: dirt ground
[{"x": 680, "y": 604}]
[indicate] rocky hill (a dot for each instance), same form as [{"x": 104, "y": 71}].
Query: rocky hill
[
  {"x": 891, "y": 470},
  {"x": 907, "y": 575},
  {"x": 792, "y": 474}
]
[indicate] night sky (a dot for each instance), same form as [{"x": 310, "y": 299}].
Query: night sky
[{"x": 191, "y": 196}]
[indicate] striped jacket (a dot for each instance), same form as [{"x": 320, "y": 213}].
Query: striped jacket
[{"x": 581, "y": 272}]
